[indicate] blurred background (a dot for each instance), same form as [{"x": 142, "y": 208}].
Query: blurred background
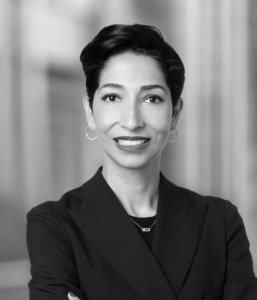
[{"x": 44, "y": 151}]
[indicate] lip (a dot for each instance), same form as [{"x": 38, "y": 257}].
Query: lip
[
  {"x": 132, "y": 148},
  {"x": 131, "y": 138}
]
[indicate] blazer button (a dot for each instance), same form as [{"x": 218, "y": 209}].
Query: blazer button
[{"x": 208, "y": 298}]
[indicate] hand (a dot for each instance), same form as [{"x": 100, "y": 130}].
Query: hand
[{"x": 71, "y": 296}]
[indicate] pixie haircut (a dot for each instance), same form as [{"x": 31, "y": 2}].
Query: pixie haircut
[{"x": 139, "y": 39}]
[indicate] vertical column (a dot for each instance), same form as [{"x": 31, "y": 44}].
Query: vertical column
[
  {"x": 206, "y": 139},
  {"x": 226, "y": 97},
  {"x": 239, "y": 105},
  {"x": 34, "y": 105},
  {"x": 252, "y": 75},
  {"x": 6, "y": 121},
  {"x": 192, "y": 94}
]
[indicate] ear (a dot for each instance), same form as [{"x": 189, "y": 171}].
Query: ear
[
  {"x": 88, "y": 112},
  {"x": 176, "y": 113}
]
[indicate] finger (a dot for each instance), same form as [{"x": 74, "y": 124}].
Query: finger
[{"x": 71, "y": 296}]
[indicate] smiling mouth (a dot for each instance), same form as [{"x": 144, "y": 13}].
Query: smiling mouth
[{"x": 131, "y": 141}]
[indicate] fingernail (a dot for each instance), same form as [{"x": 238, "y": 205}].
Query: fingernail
[{"x": 72, "y": 295}]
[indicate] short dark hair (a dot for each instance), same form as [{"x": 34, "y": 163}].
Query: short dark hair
[{"x": 139, "y": 39}]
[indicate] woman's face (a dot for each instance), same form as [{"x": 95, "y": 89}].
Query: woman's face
[{"x": 132, "y": 111}]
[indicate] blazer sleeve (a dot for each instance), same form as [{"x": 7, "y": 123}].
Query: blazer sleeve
[
  {"x": 53, "y": 268},
  {"x": 241, "y": 282}
]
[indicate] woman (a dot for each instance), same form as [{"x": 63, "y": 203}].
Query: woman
[{"x": 128, "y": 233}]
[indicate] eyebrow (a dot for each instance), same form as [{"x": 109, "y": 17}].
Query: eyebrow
[
  {"x": 143, "y": 88},
  {"x": 152, "y": 87},
  {"x": 112, "y": 85}
]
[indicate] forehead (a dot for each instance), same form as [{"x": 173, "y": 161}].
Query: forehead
[{"x": 132, "y": 68}]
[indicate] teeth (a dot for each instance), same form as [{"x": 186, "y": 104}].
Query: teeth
[{"x": 131, "y": 143}]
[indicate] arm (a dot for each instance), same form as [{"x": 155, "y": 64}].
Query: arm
[
  {"x": 53, "y": 268},
  {"x": 241, "y": 282}
]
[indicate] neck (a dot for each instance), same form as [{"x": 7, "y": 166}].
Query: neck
[{"x": 136, "y": 189}]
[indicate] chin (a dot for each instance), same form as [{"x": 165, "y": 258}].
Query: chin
[
  {"x": 133, "y": 165},
  {"x": 134, "y": 162}
]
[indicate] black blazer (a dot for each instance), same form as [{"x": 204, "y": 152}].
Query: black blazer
[{"x": 86, "y": 243}]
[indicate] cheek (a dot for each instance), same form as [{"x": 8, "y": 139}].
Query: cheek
[
  {"x": 161, "y": 122},
  {"x": 104, "y": 120},
  {"x": 101, "y": 124}
]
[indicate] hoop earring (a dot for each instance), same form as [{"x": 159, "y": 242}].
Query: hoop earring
[
  {"x": 92, "y": 128},
  {"x": 173, "y": 140}
]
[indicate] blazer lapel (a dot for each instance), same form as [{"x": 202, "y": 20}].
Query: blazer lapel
[
  {"x": 105, "y": 222},
  {"x": 178, "y": 227}
]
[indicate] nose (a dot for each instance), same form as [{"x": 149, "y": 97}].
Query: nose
[{"x": 132, "y": 118}]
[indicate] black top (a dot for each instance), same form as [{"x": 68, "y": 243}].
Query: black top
[
  {"x": 86, "y": 240},
  {"x": 145, "y": 223}
]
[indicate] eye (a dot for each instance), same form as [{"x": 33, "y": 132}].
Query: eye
[
  {"x": 111, "y": 98},
  {"x": 153, "y": 99}
]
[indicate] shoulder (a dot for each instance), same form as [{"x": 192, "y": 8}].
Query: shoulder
[
  {"x": 218, "y": 207},
  {"x": 221, "y": 216},
  {"x": 76, "y": 198},
  {"x": 59, "y": 208},
  {"x": 50, "y": 223}
]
